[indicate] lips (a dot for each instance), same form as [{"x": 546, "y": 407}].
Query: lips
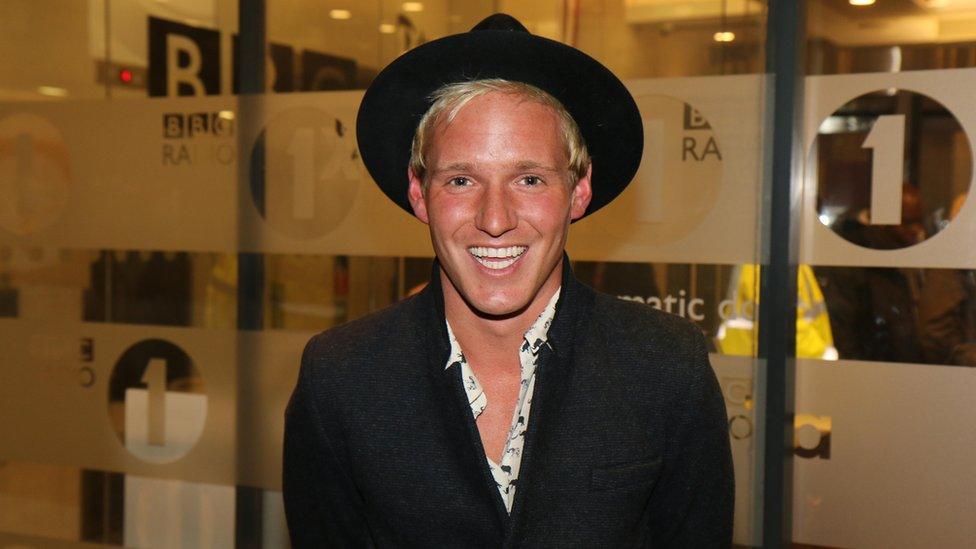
[{"x": 497, "y": 258}]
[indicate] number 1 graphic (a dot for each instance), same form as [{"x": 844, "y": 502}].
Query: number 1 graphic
[
  {"x": 887, "y": 143},
  {"x": 652, "y": 199},
  {"x": 302, "y": 151},
  {"x": 155, "y": 379},
  {"x": 25, "y": 169}
]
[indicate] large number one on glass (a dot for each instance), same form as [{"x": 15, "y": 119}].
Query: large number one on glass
[
  {"x": 652, "y": 172},
  {"x": 25, "y": 161},
  {"x": 887, "y": 143},
  {"x": 302, "y": 150},
  {"x": 155, "y": 379}
]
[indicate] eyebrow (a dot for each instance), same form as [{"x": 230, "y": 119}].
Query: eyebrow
[
  {"x": 456, "y": 167},
  {"x": 519, "y": 166},
  {"x": 533, "y": 165}
]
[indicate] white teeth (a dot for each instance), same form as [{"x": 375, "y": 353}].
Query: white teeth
[
  {"x": 497, "y": 258},
  {"x": 496, "y": 264}
]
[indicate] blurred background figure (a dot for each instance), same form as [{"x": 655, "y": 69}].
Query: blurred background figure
[
  {"x": 947, "y": 312},
  {"x": 738, "y": 333},
  {"x": 873, "y": 310}
]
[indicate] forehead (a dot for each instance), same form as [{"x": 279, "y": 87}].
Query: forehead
[{"x": 501, "y": 126}]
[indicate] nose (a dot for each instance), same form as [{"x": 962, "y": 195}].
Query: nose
[{"x": 496, "y": 213}]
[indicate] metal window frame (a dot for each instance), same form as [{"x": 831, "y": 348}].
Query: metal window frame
[{"x": 785, "y": 40}]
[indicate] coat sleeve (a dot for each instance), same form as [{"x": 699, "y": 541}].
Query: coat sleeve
[
  {"x": 694, "y": 499},
  {"x": 940, "y": 320},
  {"x": 323, "y": 507}
]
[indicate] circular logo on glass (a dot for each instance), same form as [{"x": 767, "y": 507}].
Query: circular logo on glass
[
  {"x": 305, "y": 172},
  {"x": 679, "y": 178},
  {"x": 893, "y": 168},
  {"x": 157, "y": 404}
]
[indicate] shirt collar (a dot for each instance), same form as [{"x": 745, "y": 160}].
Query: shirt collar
[
  {"x": 538, "y": 333},
  {"x": 534, "y": 338}
]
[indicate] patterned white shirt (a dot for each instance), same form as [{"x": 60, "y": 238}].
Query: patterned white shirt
[{"x": 506, "y": 473}]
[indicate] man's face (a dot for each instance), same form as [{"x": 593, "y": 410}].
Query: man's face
[{"x": 499, "y": 202}]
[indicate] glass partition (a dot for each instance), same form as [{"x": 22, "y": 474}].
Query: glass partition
[
  {"x": 882, "y": 439},
  {"x": 168, "y": 245}
]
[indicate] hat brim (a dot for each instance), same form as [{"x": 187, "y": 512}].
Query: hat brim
[{"x": 596, "y": 99}]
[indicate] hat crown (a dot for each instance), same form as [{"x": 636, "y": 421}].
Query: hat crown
[
  {"x": 500, "y": 22},
  {"x": 603, "y": 108}
]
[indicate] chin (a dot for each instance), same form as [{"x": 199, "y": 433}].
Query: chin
[{"x": 497, "y": 304}]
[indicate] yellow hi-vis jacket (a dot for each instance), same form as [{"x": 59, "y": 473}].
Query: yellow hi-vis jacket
[{"x": 739, "y": 331}]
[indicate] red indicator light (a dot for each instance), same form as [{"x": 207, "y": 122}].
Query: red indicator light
[{"x": 125, "y": 75}]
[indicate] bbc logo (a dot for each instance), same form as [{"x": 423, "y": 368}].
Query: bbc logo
[{"x": 187, "y": 125}]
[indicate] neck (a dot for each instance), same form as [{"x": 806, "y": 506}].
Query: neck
[{"x": 475, "y": 329}]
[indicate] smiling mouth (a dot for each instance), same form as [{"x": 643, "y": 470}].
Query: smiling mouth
[{"x": 497, "y": 258}]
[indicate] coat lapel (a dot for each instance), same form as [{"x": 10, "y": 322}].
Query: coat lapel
[
  {"x": 448, "y": 383},
  {"x": 551, "y": 389},
  {"x": 554, "y": 373}
]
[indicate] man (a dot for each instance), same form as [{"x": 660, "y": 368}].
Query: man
[{"x": 506, "y": 405}]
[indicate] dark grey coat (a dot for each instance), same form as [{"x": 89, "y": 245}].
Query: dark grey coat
[{"x": 627, "y": 444}]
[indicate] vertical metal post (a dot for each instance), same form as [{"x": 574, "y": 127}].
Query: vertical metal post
[
  {"x": 785, "y": 36},
  {"x": 107, "y": 65},
  {"x": 250, "y": 266},
  {"x": 250, "y": 76}
]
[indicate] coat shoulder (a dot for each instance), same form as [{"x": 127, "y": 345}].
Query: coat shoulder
[
  {"x": 642, "y": 335},
  {"x": 383, "y": 337},
  {"x": 632, "y": 320}
]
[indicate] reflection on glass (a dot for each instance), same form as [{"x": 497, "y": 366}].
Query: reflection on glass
[
  {"x": 947, "y": 317},
  {"x": 889, "y": 36},
  {"x": 739, "y": 331},
  {"x": 873, "y": 311}
]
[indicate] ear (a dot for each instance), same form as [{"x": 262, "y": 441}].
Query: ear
[
  {"x": 415, "y": 194},
  {"x": 582, "y": 194}
]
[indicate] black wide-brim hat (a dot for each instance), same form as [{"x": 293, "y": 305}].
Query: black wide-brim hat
[{"x": 500, "y": 47}]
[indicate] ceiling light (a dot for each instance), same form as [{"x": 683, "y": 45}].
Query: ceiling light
[
  {"x": 52, "y": 91},
  {"x": 340, "y": 14},
  {"x": 861, "y": 2},
  {"x": 724, "y": 36},
  {"x": 413, "y": 7},
  {"x": 387, "y": 28}
]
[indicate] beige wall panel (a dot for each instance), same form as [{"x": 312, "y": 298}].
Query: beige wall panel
[{"x": 901, "y": 452}]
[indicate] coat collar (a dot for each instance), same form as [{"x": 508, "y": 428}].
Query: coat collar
[{"x": 574, "y": 301}]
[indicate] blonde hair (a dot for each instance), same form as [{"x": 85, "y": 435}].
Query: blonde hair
[{"x": 448, "y": 100}]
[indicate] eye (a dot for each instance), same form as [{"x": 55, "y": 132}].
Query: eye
[
  {"x": 531, "y": 181},
  {"x": 458, "y": 181}
]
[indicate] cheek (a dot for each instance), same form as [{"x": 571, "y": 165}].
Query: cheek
[
  {"x": 550, "y": 217},
  {"x": 447, "y": 214}
]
